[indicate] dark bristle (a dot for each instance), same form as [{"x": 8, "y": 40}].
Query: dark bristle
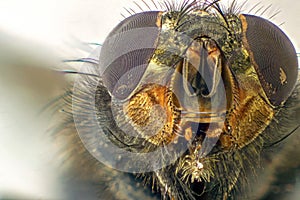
[
  {"x": 254, "y": 7},
  {"x": 161, "y": 5},
  {"x": 283, "y": 138},
  {"x": 211, "y": 4},
  {"x": 186, "y": 8},
  {"x": 146, "y": 4},
  {"x": 242, "y": 5},
  {"x": 138, "y": 6},
  {"x": 154, "y": 4},
  {"x": 132, "y": 10},
  {"x": 83, "y": 60},
  {"x": 274, "y": 15},
  {"x": 94, "y": 43},
  {"x": 123, "y": 16},
  {"x": 266, "y": 9},
  {"x": 167, "y": 5},
  {"x": 259, "y": 9},
  {"x": 128, "y": 11},
  {"x": 233, "y": 6},
  {"x": 76, "y": 72}
]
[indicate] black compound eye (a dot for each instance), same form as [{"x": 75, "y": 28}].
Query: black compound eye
[
  {"x": 273, "y": 56},
  {"x": 126, "y": 52}
]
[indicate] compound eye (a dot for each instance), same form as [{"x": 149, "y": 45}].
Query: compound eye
[
  {"x": 273, "y": 56},
  {"x": 126, "y": 52}
]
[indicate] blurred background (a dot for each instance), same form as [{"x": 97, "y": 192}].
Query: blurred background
[{"x": 35, "y": 35}]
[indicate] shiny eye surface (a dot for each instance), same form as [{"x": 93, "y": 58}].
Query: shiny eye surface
[
  {"x": 273, "y": 55},
  {"x": 126, "y": 52}
]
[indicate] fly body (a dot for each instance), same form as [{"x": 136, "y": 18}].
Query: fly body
[{"x": 188, "y": 99}]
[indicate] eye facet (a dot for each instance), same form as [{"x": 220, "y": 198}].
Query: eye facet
[
  {"x": 126, "y": 52},
  {"x": 273, "y": 56}
]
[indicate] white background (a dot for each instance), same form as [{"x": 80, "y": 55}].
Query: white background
[{"x": 52, "y": 22}]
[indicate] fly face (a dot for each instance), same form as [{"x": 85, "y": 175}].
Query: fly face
[{"x": 190, "y": 92}]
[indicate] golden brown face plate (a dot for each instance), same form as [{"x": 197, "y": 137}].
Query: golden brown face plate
[{"x": 250, "y": 101}]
